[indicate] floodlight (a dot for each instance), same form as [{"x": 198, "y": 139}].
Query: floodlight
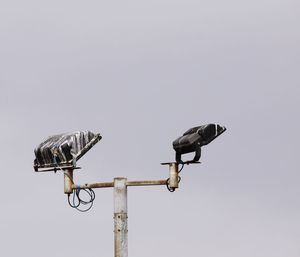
[
  {"x": 194, "y": 138},
  {"x": 63, "y": 150}
]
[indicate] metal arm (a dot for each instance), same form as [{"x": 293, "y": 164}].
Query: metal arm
[
  {"x": 172, "y": 181},
  {"x": 120, "y": 200}
]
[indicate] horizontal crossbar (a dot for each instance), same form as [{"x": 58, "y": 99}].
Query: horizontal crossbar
[{"x": 129, "y": 183}]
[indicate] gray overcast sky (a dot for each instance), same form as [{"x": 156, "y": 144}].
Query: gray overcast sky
[{"x": 141, "y": 73}]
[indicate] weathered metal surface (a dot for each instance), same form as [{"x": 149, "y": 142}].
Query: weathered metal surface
[
  {"x": 174, "y": 180},
  {"x": 68, "y": 181},
  {"x": 147, "y": 183},
  {"x": 94, "y": 185},
  {"x": 128, "y": 183},
  {"x": 60, "y": 168},
  {"x": 64, "y": 149},
  {"x": 120, "y": 217}
]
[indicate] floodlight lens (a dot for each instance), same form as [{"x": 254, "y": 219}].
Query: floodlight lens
[
  {"x": 208, "y": 131},
  {"x": 64, "y": 150}
]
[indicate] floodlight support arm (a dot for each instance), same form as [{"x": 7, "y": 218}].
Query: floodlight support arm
[
  {"x": 173, "y": 181},
  {"x": 120, "y": 200},
  {"x": 128, "y": 183}
]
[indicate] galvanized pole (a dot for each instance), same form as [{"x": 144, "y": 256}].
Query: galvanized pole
[
  {"x": 68, "y": 181},
  {"x": 120, "y": 217}
]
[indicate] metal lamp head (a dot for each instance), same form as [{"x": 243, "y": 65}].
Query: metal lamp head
[
  {"x": 194, "y": 138},
  {"x": 63, "y": 150}
]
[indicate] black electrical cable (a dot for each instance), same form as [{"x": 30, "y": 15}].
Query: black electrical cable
[
  {"x": 181, "y": 168},
  {"x": 77, "y": 201}
]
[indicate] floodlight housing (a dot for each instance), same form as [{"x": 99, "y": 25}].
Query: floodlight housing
[
  {"x": 63, "y": 150},
  {"x": 193, "y": 139}
]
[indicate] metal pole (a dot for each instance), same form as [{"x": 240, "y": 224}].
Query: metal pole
[
  {"x": 68, "y": 181},
  {"x": 120, "y": 217},
  {"x": 173, "y": 182}
]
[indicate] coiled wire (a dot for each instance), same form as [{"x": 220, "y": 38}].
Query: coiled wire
[{"x": 77, "y": 201}]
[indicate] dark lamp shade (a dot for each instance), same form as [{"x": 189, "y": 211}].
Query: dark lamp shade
[{"x": 196, "y": 137}]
